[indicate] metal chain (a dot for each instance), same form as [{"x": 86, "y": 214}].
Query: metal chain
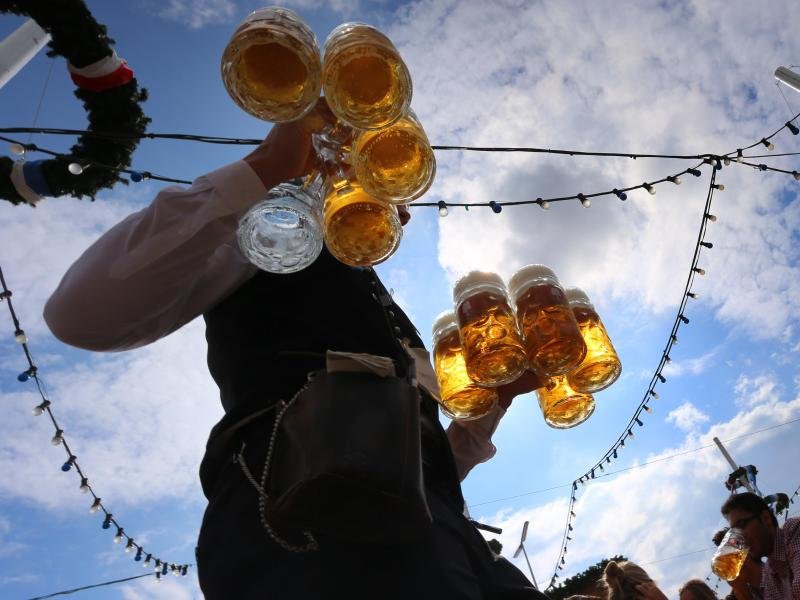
[{"x": 261, "y": 488}]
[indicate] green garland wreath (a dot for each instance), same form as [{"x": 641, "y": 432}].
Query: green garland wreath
[{"x": 82, "y": 41}]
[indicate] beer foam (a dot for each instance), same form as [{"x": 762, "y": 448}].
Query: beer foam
[
  {"x": 474, "y": 278},
  {"x": 519, "y": 281},
  {"x": 444, "y": 319},
  {"x": 577, "y": 295}
]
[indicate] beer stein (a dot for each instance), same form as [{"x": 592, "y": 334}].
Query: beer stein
[
  {"x": 271, "y": 67},
  {"x": 600, "y": 367},
  {"x": 461, "y": 398},
  {"x": 561, "y": 405},
  {"x": 553, "y": 342},
  {"x": 366, "y": 83},
  {"x": 395, "y": 163},
  {"x": 283, "y": 233},
  {"x": 730, "y": 556},
  {"x": 492, "y": 346},
  {"x": 359, "y": 230}
]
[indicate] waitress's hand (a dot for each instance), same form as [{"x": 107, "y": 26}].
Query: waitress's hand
[
  {"x": 528, "y": 382},
  {"x": 287, "y": 152}
]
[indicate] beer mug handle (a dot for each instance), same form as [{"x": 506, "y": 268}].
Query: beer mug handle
[{"x": 333, "y": 145}]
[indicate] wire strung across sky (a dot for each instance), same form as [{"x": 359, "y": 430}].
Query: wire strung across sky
[
  {"x": 715, "y": 160},
  {"x": 32, "y": 372}
]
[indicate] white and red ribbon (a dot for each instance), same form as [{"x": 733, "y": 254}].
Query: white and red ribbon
[{"x": 107, "y": 73}]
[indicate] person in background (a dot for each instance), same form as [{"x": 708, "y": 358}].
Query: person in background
[
  {"x": 626, "y": 580},
  {"x": 780, "y": 577},
  {"x": 696, "y": 589}
]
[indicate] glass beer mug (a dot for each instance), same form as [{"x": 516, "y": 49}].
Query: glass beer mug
[
  {"x": 730, "y": 556},
  {"x": 395, "y": 163},
  {"x": 461, "y": 398},
  {"x": 553, "y": 342},
  {"x": 366, "y": 83},
  {"x": 283, "y": 233},
  {"x": 359, "y": 230},
  {"x": 492, "y": 346},
  {"x": 562, "y": 406},
  {"x": 600, "y": 367},
  {"x": 271, "y": 67}
]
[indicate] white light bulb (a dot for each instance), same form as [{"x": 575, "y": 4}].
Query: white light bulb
[
  {"x": 20, "y": 337},
  {"x": 75, "y": 168},
  {"x": 545, "y": 204},
  {"x": 17, "y": 149}
]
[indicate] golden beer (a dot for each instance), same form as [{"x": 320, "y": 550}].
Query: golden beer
[
  {"x": 396, "y": 163},
  {"x": 562, "y": 406},
  {"x": 490, "y": 339},
  {"x": 359, "y": 230},
  {"x": 366, "y": 83},
  {"x": 601, "y": 366},
  {"x": 730, "y": 556},
  {"x": 461, "y": 398},
  {"x": 553, "y": 342},
  {"x": 727, "y": 566},
  {"x": 271, "y": 67}
]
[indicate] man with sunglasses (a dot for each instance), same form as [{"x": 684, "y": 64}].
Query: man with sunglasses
[{"x": 780, "y": 579}]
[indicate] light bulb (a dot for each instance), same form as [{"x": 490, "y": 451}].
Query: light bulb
[
  {"x": 699, "y": 271},
  {"x": 84, "y": 486},
  {"x": 675, "y": 179},
  {"x": 585, "y": 202},
  {"x": 75, "y": 168},
  {"x": 544, "y": 204},
  {"x": 651, "y": 189},
  {"x": 58, "y": 437},
  {"x": 770, "y": 146},
  {"x": 442, "y": 208},
  {"x": 20, "y": 337},
  {"x": 620, "y": 195},
  {"x": 95, "y": 506},
  {"x": 719, "y": 186},
  {"x": 17, "y": 149}
]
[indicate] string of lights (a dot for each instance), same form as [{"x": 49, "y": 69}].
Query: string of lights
[
  {"x": 162, "y": 567},
  {"x": 715, "y": 160},
  {"x": 642, "y": 465},
  {"x": 658, "y": 378}
]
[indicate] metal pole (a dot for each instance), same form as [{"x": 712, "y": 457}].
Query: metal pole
[
  {"x": 19, "y": 48},
  {"x": 533, "y": 577},
  {"x": 788, "y": 77},
  {"x": 734, "y": 466}
]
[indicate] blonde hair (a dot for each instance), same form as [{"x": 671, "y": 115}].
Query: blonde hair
[
  {"x": 698, "y": 589},
  {"x": 621, "y": 578}
]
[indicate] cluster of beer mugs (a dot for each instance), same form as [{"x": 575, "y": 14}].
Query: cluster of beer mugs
[
  {"x": 497, "y": 332},
  {"x": 375, "y": 157},
  {"x": 729, "y": 558}
]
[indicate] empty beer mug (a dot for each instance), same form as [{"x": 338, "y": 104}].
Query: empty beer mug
[
  {"x": 562, "y": 406},
  {"x": 395, "y": 163},
  {"x": 271, "y": 67},
  {"x": 461, "y": 398},
  {"x": 489, "y": 336},
  {"x": 553, "y": 342},
  {"x": 600, "y": 367},
  {"x": 359, "y": 230},
  {"x": 283, "y": 233},
  {"x": 730, "y": 555},
  {"x": 366, "y": 82}
]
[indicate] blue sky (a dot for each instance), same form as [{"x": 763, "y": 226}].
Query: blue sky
[{"x": 672, "y": 77}]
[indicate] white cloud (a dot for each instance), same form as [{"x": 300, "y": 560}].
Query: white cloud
[
  {"x": 753, "y": 391},
  {"x": 169, "y": 588},
  {"x": 9, "y": 546},
  {"x": 687, "y": 417},
  {"x": 693, "y": 366},
  {"x": 199, "y": 13},
  {"x": 554, "y": 75}
]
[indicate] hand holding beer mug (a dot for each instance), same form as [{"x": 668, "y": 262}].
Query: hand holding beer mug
[
  {"x": 600, "y": 367},
  {"x": 492, "y": 346},
  {"x": 730, "y": 556},
  {"x": 461, "y": 398}
]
